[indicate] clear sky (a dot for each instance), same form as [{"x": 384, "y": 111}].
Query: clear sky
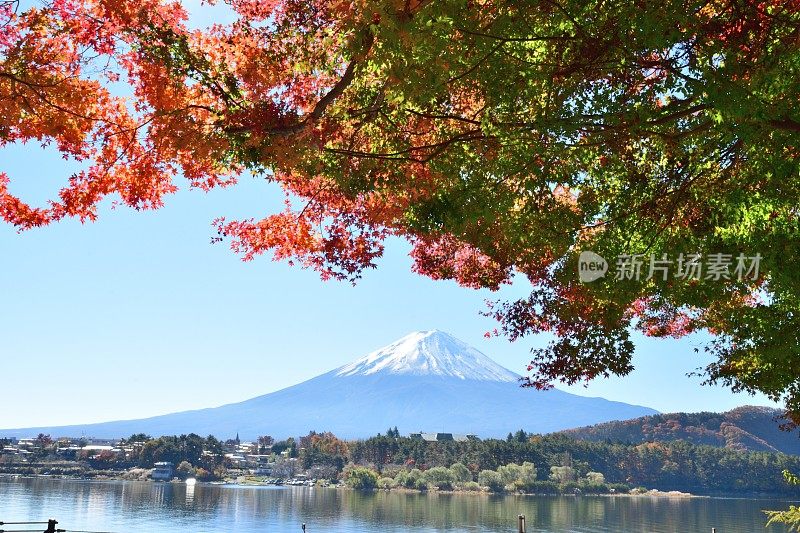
[{"x": 138, "y": 314}]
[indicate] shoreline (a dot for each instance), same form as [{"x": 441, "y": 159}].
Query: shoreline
[
  {"x": 243, "y": 481},
  {"x": 652, "y": 493}
]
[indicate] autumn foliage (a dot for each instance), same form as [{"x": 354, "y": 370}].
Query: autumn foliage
[{"x": 500, "y": 138}]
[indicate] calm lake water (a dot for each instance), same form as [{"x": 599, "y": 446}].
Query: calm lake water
[{"x": 123, "y": 507}]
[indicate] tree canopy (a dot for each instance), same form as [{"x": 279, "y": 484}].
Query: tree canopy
[
  {"x": 790, "y": 517},
  {"x": 500, "y": 138}
]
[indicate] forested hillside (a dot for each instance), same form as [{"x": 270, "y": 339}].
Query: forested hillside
[
  {"x": 744, "y": 428},
  {"x": 678, "y": 465}
]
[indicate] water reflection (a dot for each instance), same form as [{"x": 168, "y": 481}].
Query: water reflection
[{"x": 167, "y": 507}]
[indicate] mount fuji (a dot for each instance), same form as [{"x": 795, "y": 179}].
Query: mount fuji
[{"x": 425, "y": 381}]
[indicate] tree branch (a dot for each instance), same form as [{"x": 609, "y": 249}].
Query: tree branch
[
  {"x": 335, "y": 92},
  {"x": 785, "y": 124}
]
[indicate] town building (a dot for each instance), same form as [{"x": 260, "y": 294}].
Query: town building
[
  {"x": 163, "y": 471},
  {"x": 442, "y": 437}
]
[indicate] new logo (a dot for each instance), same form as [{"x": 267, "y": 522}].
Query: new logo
[{"x": 591, "y": 267}]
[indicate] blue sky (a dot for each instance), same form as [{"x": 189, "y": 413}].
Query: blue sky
[{"x": 138, "y": 314}]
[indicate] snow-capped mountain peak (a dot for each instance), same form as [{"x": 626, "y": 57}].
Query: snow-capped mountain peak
[{"x": 429, "y": 353}]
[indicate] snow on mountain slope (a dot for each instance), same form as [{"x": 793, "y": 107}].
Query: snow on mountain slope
[{"x": 425, "y": 353}]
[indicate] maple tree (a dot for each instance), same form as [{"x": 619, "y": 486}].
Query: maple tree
[
  {"x": 791, "y": 516},
  {"x": 500, "y": 138}
]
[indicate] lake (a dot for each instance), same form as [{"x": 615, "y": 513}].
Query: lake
[{"x": 125, "y": 506}]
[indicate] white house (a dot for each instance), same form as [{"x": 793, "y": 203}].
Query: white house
[{"x": 162, "y": 472}]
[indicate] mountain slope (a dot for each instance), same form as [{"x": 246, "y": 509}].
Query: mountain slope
[
  {"x": 744, "y": 428},
  {"x": 426, "y": 381},
  {"x": 432, "y": 353}
]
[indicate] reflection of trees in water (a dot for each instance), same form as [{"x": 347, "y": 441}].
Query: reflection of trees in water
[
  {"x": 145, "y": 506},
  {"x": 411, "y": 509},
  {"x": 565, "y": 511},
  {"x": 322, "y": 507}
]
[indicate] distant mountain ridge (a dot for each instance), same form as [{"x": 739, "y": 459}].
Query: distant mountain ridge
[
  {"x": 427, "y": 381},
  {"x": 744, "y": 428}
]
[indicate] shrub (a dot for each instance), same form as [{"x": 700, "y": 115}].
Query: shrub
[
  {"x": 621, "y": 488},
  {"x": 460, "y": 472},
  {"x": 595, "y": 488},
  {"x": 509, "y": 474},
  {"x": 185, "y": 469},
  {"x": 527, "y": 474},
  {"x": 386, "y": 483},
  {"x": 361, "y": 478},
  {"x": 392, "y": 471},
  {"x": 413, "y": 476},
  {"x": 401, "y": 479},
  {"x": 440, "y": 477},
  {"x": 471, "y": 486},
  {"x": 203, "y": 475},
  {"x": 491, "y": 480},
  {"x": 595, "y": 478},
  {"x": 517, "y": 477},
  {"x": 562, "y": 474}
]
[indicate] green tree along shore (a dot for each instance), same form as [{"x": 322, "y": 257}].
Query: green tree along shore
[
  {"x": 565, "y": 463},
  {"x": 548, "y": 464}
]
